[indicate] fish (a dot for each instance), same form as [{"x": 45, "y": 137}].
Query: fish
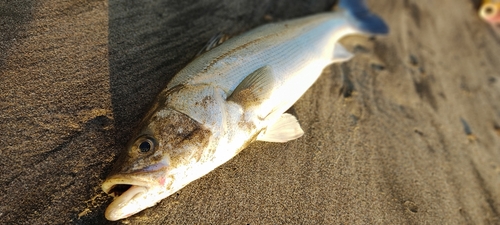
[
  {"x": 490, "y": 12},
  {"x": 228, "y": 97}
]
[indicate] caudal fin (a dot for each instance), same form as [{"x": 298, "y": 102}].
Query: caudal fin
[{"x": 362, "y": 18}]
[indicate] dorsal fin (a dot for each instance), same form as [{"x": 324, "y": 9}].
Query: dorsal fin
[
  {"x": 255, "y": 88},
  {"x": 215, "y": 41},
  {"x": 287, "y": 128}
]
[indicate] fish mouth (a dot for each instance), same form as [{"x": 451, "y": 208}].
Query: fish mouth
[
  {"x": 118, "y": 185},
  {"x": 128, "y": 193},
  {"x": 134, "y": 191}
]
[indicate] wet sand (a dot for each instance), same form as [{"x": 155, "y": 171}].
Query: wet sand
[{"x": 408, "y": 132}]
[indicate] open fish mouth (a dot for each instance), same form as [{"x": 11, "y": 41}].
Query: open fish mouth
[
  {"x": 118, "y": 189},
  {"x": 118, "y": 185},
  {"x": 128, "y": 195}
]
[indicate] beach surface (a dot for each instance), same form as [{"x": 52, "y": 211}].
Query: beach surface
[{"x": 407, "y": 132}]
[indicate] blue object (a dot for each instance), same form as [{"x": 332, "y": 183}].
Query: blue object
[{"x": 363, "y": 19}]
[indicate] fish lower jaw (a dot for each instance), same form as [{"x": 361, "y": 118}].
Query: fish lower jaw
[
  {"x": 125, "y": 204},
  {"x": 130, "y": 196}
]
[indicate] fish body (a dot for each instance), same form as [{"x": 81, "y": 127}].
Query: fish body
[{"x": 225, "y": 99}]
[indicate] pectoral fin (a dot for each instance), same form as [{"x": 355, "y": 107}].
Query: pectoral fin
[
  {"x": 286, "y": 129},
  {"x": 255, "y": 88},
  {"x": 340, "y": 54}
]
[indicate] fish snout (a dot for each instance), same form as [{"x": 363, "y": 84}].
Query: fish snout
[
  {"x": 129, "y": 195},
  {"x": 127, "y": 204}
]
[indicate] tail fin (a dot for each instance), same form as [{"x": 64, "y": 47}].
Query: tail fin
[{"x": 362, "y": 18}]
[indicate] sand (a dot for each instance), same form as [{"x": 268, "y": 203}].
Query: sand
[{"x": 408, "y": 132}]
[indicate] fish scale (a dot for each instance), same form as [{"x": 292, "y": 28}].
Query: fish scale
[
  {"x": 255, "y": 53},
  {"x": 297, "y": 62}
]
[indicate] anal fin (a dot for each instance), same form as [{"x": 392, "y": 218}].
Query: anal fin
[{"x": 287, "y": 128}]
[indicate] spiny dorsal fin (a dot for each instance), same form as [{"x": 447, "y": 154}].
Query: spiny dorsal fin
[
  {"x": 215, "y": 41},
  {"x": 255, "y": 88},
  {"x": 286, "y": 129},
  {"x": 340, "y": 54}
]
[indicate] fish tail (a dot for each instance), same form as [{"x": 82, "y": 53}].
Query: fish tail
[{"x": 361, "y": 17}]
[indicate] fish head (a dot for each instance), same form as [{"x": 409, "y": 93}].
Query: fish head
[{"x": 158, "y": 161}]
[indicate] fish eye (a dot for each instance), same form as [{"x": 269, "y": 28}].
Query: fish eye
[{"x": 146, "y": 145}]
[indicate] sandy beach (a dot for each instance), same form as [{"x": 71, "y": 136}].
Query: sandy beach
[{"x": 407, "y": 132}]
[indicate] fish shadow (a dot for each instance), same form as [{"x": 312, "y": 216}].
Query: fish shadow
[{"x": 15, "y": 18}]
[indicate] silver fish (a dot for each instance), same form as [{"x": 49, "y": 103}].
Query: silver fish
[{"x": 228, "y": 97}]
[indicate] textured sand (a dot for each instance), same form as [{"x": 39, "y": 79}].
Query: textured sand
[{"x": 408, "y": 132}]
